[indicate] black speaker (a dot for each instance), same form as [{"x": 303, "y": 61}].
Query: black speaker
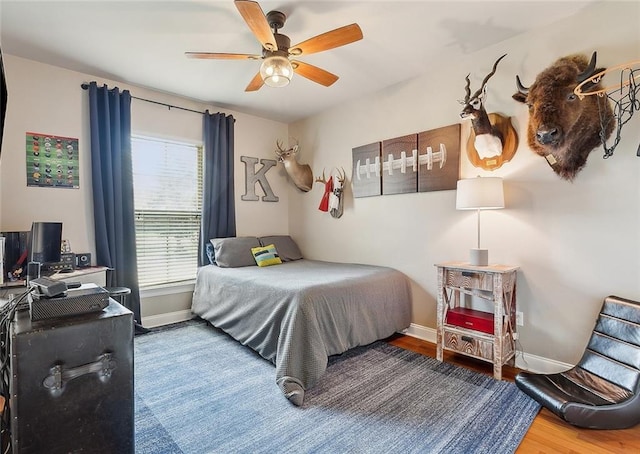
[
  {"x": 71, "y": 383},
  {"x": 33, "y": 271},
  {"x": 83, "y": 259}
]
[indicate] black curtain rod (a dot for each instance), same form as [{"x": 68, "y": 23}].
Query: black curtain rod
[{"x": 170, "y": 106}]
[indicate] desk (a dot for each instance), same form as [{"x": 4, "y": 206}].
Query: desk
[{"x": 89, "y": 275}]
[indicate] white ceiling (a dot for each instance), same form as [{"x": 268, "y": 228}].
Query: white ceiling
[{"x": 143, "y": 43}]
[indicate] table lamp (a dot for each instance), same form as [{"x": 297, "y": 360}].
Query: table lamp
[{"x": 481, "y": 193}]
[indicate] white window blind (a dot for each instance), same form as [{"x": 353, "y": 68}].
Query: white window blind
[{"x": 167, "y": 182}]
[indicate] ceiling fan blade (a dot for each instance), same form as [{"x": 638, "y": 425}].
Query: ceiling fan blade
[
  {"x": 257, "y": 22},
  {"x": 314, "y": 73},
  {"x": 215, "y": 55},
  {"x": 329, "y": 40},
  {"x": 255, "y": 84}
]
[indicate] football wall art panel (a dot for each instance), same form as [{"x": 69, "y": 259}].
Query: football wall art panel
[
  {"x": 399, "y": 174},
  {"x": 439, "y": 158},
  {"x": 422, "y": 162},
  {"x": 366, "y": 178}
]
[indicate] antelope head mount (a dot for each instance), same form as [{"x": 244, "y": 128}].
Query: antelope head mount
[
  {"x": 489, "y": 139},
  {"x": 300, "y": 174}
]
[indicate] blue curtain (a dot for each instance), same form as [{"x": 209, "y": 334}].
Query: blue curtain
[
  {"x": 218, "y": 205},
  {"x": 111, "y": 170}
]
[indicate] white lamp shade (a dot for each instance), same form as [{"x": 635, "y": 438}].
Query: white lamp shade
[
  {"x": 481, "y": 193},
  {"x": 276, "y": 71}
]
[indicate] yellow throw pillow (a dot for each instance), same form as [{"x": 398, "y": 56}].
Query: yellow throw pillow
[{"x": 266, "y": 255}]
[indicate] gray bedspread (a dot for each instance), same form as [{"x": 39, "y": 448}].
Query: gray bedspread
[{"x": 299, "y": 313}]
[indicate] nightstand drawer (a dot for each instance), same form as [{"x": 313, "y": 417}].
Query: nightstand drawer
[
  {"x": 468, "y": 344},
  {"x": 470, "y": 319},
  {"x": 469, "y": 279}
]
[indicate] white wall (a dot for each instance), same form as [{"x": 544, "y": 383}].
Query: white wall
[
  {"x": 48, "y": 99},
  {"x": 575, "y": 242}
]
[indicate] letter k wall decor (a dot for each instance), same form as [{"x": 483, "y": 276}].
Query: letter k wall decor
[
  {"x": 251, "y": 177},
  {"x": 423, "y": 162}
]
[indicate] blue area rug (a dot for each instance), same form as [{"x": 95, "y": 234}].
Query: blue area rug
[{"x": 199, "y": 391}]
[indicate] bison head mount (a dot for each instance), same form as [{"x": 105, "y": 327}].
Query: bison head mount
[{"x": 562, "y": 127}]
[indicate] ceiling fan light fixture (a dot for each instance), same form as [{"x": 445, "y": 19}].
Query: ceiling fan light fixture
[{"x": 276, "y": 71}]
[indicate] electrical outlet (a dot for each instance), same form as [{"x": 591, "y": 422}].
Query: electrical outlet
[{"x": 519, "y": 318}]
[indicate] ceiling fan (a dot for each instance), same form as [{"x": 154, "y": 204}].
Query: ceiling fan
[{"x": 277, "y": 67}]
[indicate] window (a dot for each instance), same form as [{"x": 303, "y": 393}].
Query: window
[{"x": 167, "y": 189}]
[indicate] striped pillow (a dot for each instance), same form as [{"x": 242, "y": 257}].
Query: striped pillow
[{"x": 266, "y": 255}]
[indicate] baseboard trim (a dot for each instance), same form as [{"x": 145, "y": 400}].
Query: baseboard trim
[
  {"x": 524, "y": 361},
  {"x": 421, "y": 332},
  {"x": 153, "y": 321}
]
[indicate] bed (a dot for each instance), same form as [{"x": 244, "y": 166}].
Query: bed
[{"x": 298, "y": 313}]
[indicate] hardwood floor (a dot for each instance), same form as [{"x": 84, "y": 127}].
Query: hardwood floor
[{"x": 548, "y": 433}]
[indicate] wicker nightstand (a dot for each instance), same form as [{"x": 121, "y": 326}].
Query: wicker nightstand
[{"x": 495, "y": 283}]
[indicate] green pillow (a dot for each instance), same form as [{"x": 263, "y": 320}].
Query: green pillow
[{"x": 266, "y": 255}]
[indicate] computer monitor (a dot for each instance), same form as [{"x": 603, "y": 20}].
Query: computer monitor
[{"x": 45, "y": 243}]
